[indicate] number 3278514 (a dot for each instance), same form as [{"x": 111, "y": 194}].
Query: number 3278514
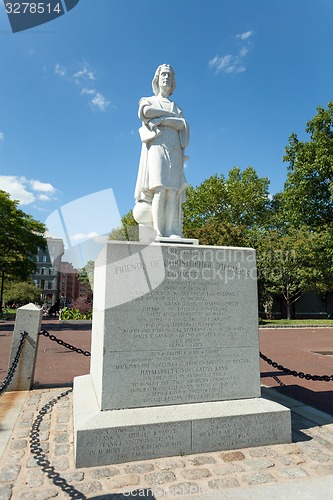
[{"x": 32, "y": 8}]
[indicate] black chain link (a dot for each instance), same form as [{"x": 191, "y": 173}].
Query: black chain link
[
  {"x": 294, "y": 373},
  {"x": 64, "y": 344},
  {"x": 14, "y": 364},
  {"x": 40, "y": 457}
]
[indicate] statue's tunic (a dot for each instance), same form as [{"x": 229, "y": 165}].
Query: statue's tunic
[{"x": 162, "y": 154}]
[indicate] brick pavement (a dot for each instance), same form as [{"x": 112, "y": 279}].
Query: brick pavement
[
  {"x": 38, "y": 462},
  {"x": 295, "y": 348},
  {"x": 300, "y": 349},
  {"x": 41, "y": 465}
]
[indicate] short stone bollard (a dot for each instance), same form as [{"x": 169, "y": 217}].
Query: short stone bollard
[{"x": 28, "y": 319}]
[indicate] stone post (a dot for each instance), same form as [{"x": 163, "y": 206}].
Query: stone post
[{"x": 28, "y": 319}]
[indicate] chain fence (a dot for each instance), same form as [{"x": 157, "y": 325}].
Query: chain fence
[
  {"x": 41, "y": 457},
  {"x": 12, "y": 368},
  {"x": 294, "y": 373},
  {"x": 64, "y": 344},
  {"x": 53, "y": 338}
]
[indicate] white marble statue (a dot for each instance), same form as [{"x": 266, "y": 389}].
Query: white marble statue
[{"x": 161, "y": 183}]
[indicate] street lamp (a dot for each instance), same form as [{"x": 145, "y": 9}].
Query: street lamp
[{"x": 3, "y": 269}]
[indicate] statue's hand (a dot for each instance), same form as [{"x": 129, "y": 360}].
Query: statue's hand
[
  {"x": 154, "y": 122},
  {"x": 173, "y": 122},
  {"x": 151, "y": 112}
]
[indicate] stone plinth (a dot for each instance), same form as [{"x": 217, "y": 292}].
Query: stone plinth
[
  {"x": 175, "y": 341},
  {"x": 116, "y": 436}
]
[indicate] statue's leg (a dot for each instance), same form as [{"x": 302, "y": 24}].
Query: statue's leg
[
  {"x": 171, "y": 213},
  {"x": 158, "y": 208}
]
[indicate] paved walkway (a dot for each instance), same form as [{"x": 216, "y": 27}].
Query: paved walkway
[
  {"x": 308, "y": 350},
  {"x": 303, "y": 349},
  {"x": 38, "y": 462}
]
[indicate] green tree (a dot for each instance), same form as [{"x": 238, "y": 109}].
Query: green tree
[
  {"x": 129, "y": 230},
  {"x": 222, "y": 211},
  {"x": 86, "y": 274},
  {"x": 20, "y": 236},
  {"x": 308, "y": 192},
  {"x": 287, "y": 265},
  {"x": 322, "y": 259},
  {"x": 21, "y": 293}
]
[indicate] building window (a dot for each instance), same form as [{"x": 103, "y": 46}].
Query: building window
[{"x": 44, "y": 258}]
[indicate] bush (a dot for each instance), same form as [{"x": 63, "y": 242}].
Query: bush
[
  {"x": 69, "y": 313},
  {"x": 82, "y": 304}
]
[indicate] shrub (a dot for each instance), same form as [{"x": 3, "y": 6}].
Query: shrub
[
  {"x": 82, "y": 304},
  {"x": 69, "y": 313}
]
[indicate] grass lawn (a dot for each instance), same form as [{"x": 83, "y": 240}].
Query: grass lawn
[
  {"x": 8, "y": 310},
  {"x": 8, "y": 313},
  {"x": 300, "y": 322}
]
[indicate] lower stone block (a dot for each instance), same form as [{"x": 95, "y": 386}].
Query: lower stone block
[{"x": 117, "y": 436}]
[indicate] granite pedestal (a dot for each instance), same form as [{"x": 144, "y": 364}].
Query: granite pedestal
[{"x": 175, "y": 356}]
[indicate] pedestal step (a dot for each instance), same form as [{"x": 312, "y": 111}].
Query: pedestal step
[{"x": 117, "y": 436}]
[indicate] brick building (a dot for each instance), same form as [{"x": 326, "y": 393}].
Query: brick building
[
  {"x": 70, "y": 286},
  {"x": 47, "y": 274}
]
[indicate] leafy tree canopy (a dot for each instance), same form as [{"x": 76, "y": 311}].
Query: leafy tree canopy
[
  {"x": 129, "y": 231},
  {"x": 86, "y": 274},
  {"x": 308, "y": 190},
  {"x": 221, "y": 211},
  {"x": 21, "y": 292},
  {"x": 20, "y": 236},
  {"x": 287, "y": 264}
]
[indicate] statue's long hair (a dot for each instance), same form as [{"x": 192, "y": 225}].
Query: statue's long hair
[{"x": 155, "y": 84}]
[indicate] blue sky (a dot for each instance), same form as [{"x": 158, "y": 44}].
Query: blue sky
[{"x": 248, "y": 74}]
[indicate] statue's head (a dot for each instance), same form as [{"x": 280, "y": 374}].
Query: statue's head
[{"x": 155, "y": 82}]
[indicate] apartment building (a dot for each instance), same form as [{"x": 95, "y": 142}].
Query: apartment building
[{"x": 47, "y": 273}]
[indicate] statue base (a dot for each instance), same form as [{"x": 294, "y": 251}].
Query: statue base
[
  {"x": 148, "y": 235},
  {"x": 120, "y": 436},
  {"x": 174, "y": 356}
]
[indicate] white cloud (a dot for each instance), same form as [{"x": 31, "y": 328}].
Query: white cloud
[
  {"x": 60, "y": 70},
  {"x": 44, "y": 197},
  {"x": 84, "y": 78},
  {"x": 2, "y": 136},
  {"x": 89, "y": 91},
  {"x": 16, "y": 187},
  {"x": 24, "y": 190},
  {"x": 227, "y": 63},
  {"x": 244, "y": 36},
  {"x": 83, "y": 236},
  {"x": 100, "y": 102},
  {"x": 84, "y": 74},
  {"x": 42, "y": 186},
  {"x": 233, "y": 63}
]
